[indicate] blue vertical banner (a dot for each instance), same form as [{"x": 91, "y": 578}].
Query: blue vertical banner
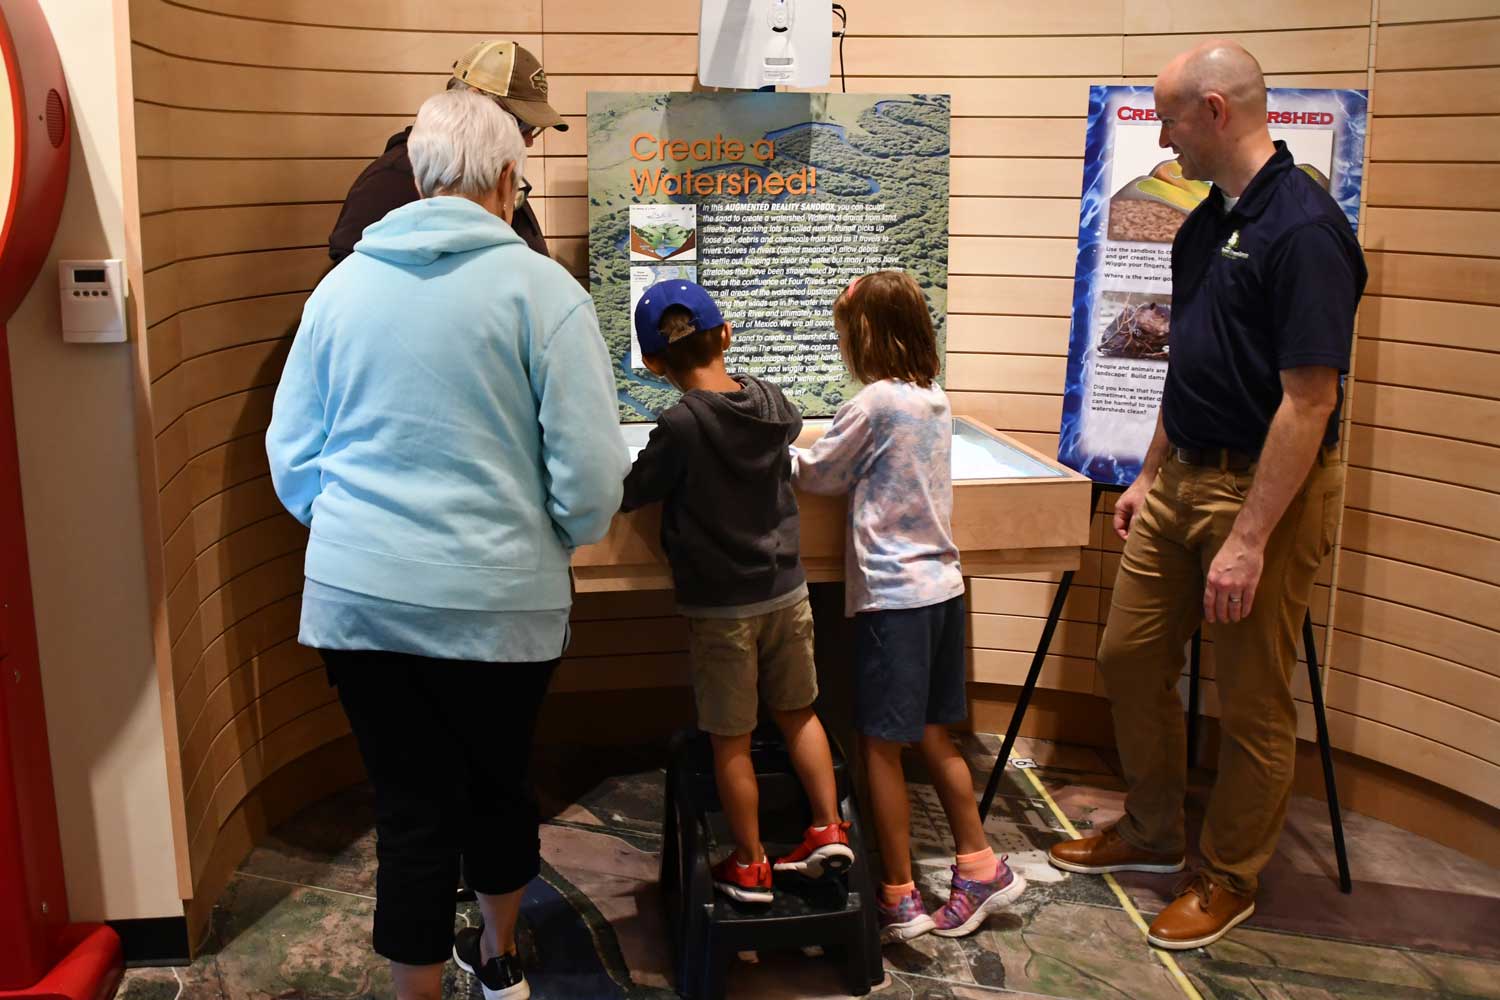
[{"x": 1134, "y": 200}]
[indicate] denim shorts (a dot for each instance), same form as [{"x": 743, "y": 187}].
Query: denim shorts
[{"x": 909, "y": 670}]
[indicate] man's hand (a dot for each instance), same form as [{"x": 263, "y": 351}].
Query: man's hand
[
  {"x": 1129, "y": 505},
  {"x": 1134, "y": 497},
  {"x": 1308, "y": 397},
  {"x": 1233, "y": 578}
]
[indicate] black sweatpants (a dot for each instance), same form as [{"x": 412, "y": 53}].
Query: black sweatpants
[{"x": 447, "y": 745}]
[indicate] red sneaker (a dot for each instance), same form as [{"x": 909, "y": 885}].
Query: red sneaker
[
  {"x": 821, "y": 851},
  {"x": 746, "y": 883}
]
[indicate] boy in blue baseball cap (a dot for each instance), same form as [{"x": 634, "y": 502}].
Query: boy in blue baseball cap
[{"x": 719, "y": 461}]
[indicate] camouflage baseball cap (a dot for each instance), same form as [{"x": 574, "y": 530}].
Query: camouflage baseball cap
[{"x": 513, "y": 75}]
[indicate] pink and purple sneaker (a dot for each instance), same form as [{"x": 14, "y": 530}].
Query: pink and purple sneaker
[
  {"x": 905, "y": 920},
  {"x": 970, "y": 900}
]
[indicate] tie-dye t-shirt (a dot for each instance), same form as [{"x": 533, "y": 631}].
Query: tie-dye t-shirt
[{"x": 890, "y": 448}]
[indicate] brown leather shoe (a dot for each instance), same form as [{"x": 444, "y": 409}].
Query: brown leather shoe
[
  {"x": 1203, "y": 912},
  {"x": 1108, "y": 852}
]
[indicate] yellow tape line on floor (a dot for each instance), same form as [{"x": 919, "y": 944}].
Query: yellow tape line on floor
[{"x": 1135, "y": 915}]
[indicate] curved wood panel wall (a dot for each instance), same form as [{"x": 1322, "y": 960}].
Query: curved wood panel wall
[
  {"x": 1416, "y": 646},
  {"x": 253, "y": 117},
  {"x": 252, "y": 120}
]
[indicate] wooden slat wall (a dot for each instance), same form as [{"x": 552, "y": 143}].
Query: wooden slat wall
[
  {"x": 253, "y": 116},
  {"x": 1415, "y": 678},
  {"x": 252, "y": 120}
]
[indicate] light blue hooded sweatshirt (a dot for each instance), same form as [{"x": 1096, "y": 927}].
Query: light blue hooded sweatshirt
[{"x": 446, "y": 421}]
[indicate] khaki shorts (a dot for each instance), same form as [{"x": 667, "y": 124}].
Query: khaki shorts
[{"x": 739, "y": 661}]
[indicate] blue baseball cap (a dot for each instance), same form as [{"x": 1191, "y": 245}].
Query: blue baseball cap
[{"x": 662, "y": 296}]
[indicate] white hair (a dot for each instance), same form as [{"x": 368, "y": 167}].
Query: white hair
[{"x": 461, "y": 143}]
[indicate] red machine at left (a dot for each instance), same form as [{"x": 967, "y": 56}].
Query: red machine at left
[{"x": 42, "y": 955}]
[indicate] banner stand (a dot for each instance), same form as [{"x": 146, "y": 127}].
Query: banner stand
[
  {"x": 1019, "y": 713},
  {"x": 1320, "y": 716}
]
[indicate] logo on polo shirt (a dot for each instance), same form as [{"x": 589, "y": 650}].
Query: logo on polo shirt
[{"x": 1231, "y": 247}]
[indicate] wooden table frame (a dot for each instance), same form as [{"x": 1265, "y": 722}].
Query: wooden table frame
[{"x": 1028, "y": 524}]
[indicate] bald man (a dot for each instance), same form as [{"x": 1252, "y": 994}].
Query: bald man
[{"x": 1237, "y": 499}]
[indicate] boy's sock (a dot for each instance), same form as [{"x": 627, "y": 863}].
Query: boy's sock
[
  {"x": 979, "y": 866},
  {"x": 893, "y": 894},
  {"x": 745, "y": 864}
]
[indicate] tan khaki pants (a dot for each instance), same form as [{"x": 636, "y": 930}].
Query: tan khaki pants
[
  {"x": 1157, "y": 603},
  {"x": 739, "y": 661}
]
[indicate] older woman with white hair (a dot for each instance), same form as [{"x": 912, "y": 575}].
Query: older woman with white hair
[{"x": 444, "y": 425}]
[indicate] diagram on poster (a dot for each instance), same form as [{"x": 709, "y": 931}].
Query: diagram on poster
[
  {"x": 642, "y": 278},
  {"x": 664, "y": 232},
  {"x": 1135, "y": 198},
  {"x": 773, "y": 202}
]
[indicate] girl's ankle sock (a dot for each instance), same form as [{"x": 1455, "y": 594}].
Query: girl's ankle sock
[
  {"x": 979, "y": 866},
  {"x": 893, "y": 894}
]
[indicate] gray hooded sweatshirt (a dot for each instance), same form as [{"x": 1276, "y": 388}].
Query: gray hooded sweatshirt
[{"x": 720, "y": 464}]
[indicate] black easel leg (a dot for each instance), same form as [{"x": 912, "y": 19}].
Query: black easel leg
[
  {"x": 1195, "y": 651},
  {"x": 1031, "y": 678},
  {"x": 1335, "y": 817}
]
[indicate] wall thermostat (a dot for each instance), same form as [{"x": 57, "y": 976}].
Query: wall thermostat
[{"x": 93, "y": 300}]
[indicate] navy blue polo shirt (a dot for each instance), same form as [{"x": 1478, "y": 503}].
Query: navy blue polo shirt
[{"x": 1271, "y": 284}]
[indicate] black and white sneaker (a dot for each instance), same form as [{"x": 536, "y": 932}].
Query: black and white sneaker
[
  {"x": 466, "y": 949},
  {"x": 501, "y": 976}
]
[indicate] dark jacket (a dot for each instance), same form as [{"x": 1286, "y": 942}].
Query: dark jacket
[
  {"x": 721, "y": 464},
  {"x": 387, "y": 184}
]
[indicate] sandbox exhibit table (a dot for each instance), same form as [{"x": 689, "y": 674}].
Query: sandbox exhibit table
[{"x": 1014, "y": 511}]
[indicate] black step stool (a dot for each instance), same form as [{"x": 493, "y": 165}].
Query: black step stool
[{"x": 707, "y": 928}]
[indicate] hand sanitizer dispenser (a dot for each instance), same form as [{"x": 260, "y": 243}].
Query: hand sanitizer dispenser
[
  {"x": 93, "y": 301},
  {"x": 765, "y": 43}
]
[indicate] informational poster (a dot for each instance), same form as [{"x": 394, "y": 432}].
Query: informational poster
[
  {"x": 1134, "y": 200},
  {"x": 773, "y": 202}
]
